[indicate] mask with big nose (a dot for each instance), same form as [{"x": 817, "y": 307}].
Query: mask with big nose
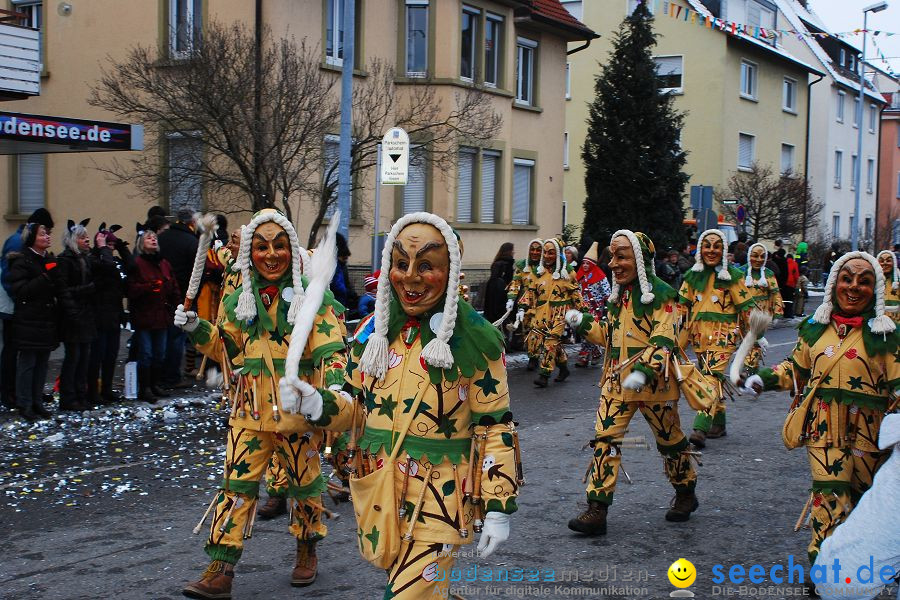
[
  {"x": 271, "y": 251},
  {"x": 420, "y": 267}
]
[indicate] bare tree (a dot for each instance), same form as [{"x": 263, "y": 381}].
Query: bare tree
[
  {"x": 379, "y": 103},
  {"x": 777, "y": 206},
  {"x": 258, "y": 146}
]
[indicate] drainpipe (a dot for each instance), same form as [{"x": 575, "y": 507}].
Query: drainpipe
[{"x": 806, "y": 152}]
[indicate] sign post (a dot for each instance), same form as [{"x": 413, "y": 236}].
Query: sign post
[{"x": 395, "y": 157}]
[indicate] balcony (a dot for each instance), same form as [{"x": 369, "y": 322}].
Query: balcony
[{"x": 20, "y": 58}]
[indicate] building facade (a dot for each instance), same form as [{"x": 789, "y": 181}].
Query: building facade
[{"x": 887, "y": 230}]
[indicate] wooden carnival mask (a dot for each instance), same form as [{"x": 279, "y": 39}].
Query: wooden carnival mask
[
  {"x": 420, "y": 266},
  {"x": 534, "y": 252},
  {"x": 623, "y": 263},
  {"x": 270, "y": 251},
  {"x": 550, "y": 256},
  {"x": 757, "y": 258},
  {"x": 855, "y": 286},
  {"x": 711, "y": 250},
  {"x": 887, "y": 264}
]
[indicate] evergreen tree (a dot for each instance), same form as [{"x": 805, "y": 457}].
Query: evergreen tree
[{"x": 633, "y": 162}]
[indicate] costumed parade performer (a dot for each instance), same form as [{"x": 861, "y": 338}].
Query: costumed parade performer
[
  {"x": 554, "y": 292},
  {"x": 639, "y": 337},
  {"x": 595, "y": 291},
  {"x": 438, "y": 458},
  {"x": 715, "y": 307},
  {"x": 764, "y": 288},
  {"x": 253, "y": 338},
  {"x": 844, "y": 375},
  {"x": 888, "y": 261},
  {"x": 524, "y": 275}
]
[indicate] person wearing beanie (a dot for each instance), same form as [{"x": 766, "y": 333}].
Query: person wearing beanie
[
  {"x": 639, "y": 336},
  {"x": 844, "y": 374},
  {"x": 367, "y": 300},
  {"x": 340, "y": 283},
  {"x": 524, "y": 276},
  {"x": 714, "y": 307},
  {"x": 445, "y": 403},
  {"x": 764, "y": 288},
  {"x": 888, "y": 261},
  {"x": 595, "y": 291},
  {"x": 548, "y": 298},
  {"x": 273, "y": 304}
]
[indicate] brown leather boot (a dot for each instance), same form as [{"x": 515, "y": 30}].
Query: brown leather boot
[
  {"x": 698, "y": 438},
  {"x": 274, "y": 507},
  {"x": 592, "y": 521},
  {"x": 307, "y": 563},
  {"x": 716, "y": 431},
  {"x": 683, "y": 504},
  {"x": 215, "y": 583}
]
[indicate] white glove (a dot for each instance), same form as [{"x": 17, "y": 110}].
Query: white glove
[
  {"x": 763, "y": 345},
  {"x": 520, "y": 315},
  {"x": 752, "y": 381},
  {"x": 574, "y": 317},
  {"x": 509, "y": 305},
  {"x": 310, "y": 401},
  {"x": 494, "y": 531},
  {"x": 635, "y": 381},
  {"x": 188, "y": 321},
  {"x": 288, "y": 395}
]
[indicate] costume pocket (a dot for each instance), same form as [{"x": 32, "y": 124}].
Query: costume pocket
[{"x": 375, "y": 507}]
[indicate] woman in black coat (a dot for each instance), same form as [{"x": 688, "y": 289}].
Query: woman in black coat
[
  {"x": 77, "y": 329},
  {"x": 501, "y": 276},
  {"x": 34, "y": 280}
]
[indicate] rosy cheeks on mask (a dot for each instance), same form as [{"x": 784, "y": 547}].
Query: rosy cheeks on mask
[
  {"x": 271, "y": 251},
  {"x": 420, "y": 267},
  {"x": 855, "y": 286},
  {"x": 711, "y": 251}
]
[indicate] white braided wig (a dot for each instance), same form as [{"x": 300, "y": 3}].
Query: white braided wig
[
  {"x": 437, "y": 353},
  {"x": 722, "y": 268},
  {"x": 762, "y": 281},
  {"x": 881, "y": 323},
  {"x": 896, "y": 283},
  {"x": 647, "y": 295},
  {"x": 540, "y": 243},
  {"x": 561, "y": 265},
  {"x": 246, "y": 305}
]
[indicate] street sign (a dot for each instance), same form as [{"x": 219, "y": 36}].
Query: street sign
[
  {"x": 701, "y": 197},
  {"x": 394, "y": 157},
  {"x": 741, "y": 214},
  {"x": 707, "y": 219}
]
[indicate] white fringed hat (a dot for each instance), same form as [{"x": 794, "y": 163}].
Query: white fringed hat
[
  {"x": 761, "y": 282},
  {"x": 246, "y": 305},
  {"x": 561, "y": 266},
  {"x": 722, "y": 267},
  {"x": 437, "y": 353},
  {"x": 896, "y": 283},
  {"x": 539, "y": 242},
  {"x": 881, "y": 323},
  {"x": 641, "y": 259}
]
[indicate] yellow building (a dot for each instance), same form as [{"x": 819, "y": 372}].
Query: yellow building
[
  {"x": 745, "y": 98},
  {"x": 508, "y": 189}
]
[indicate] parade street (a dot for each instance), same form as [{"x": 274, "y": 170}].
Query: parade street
[{"x": 106, "y": 509}]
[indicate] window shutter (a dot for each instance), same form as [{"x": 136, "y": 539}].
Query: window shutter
[
  {"x": 521, "y": 210},
  {"x": 787, "y": 157},
  {"x": 185, "y": 187},
  {"x": 31, "y": 183},
  {"x": 414, "y": 191},
  {"x": 466, "y": 160},
  {"x": 489, "y": 162},
  {"x": 745, "y": 150}
]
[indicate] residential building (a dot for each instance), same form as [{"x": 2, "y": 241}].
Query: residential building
[
  {"x": 745, "y": 98},
  {"x": 887, "y": 229},
  {"x": 507, "y": 189},
  {"x": 834, "y": 127}
]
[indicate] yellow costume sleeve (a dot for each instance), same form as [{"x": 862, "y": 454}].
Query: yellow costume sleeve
[
  {"x": 663, "y": 335},
  {"x": 683, "y": 306},
  {"x": 775, "y": 297},
  {"x": 781, "y": 377},
  {"x": 328, "y": 355}
]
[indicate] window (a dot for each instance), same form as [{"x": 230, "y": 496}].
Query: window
[
  {"x": 574, "y": 7},
  {"x": 856, "y": 112},
  {"x": 836, "y": 226},
  {"x": 493, "y": 49},
  {"x": 34, "y": 13},
  {"x": 416, "y": 38},
  {"x": 184, "y": 26},
  {"x": 873, "y": 112},
  {"x": 760, "y": 16},
  {"x": 469, "y": 33},
  {"x": 748, "y": 79},
  {"x": 569, "y": 82},
  {"x": 30, "y": 169},
  {"x": 868, "y": 230},
  {"x": 746, "y": 151},
  {"x": 668, "y": 73},
  {"x": 565, "y": 150},
  {"x": 490, "y": 160},
  {"x": 870, "y": 174},
  {"x": 852, "y": 223},
  {"x": 843, "y": 57},
  {"x": 330, "y": 158},
  {"x": 464, "y": 188},
  {"x": 853, "y": 176},
  {"x": 851, "y": 62},
  {"x": 787, "y": 158},
  {"x": 789, "y": 95},
  {"x": 184, "y": 161},
  {"x": 334, "y": 31},
  {"x": 416, "y": 182},
  {"x": 840, "y": 106},
  {"x": 525, "y": 53},
  {"x": 838, "y": 167},
  {"x": 523, "y": 176}
]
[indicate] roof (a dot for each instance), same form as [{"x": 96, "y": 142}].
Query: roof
[{"x": 552, "y": 13}]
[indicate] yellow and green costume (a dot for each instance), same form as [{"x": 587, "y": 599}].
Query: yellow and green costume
[
  {"x": 767, "y": 299},
  {"x": 892, "y": 297},
  {"x": 547, "y": 299}
]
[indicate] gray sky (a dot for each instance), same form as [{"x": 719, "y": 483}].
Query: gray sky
[{"x": 846, "y": 15}]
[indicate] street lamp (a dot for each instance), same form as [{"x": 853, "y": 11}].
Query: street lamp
[{"x": 857, "y": 175}]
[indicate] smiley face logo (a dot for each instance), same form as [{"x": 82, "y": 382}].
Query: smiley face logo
[{"x": 682, "y": 573}]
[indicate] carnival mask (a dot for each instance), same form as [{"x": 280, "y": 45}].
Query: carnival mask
[
  {"x": 887, "y": 264},
  {"x": 234, "y": 242},
  {"x": 534, "y": 253},
  {"x": 622, "y": 264},
  {"x": 550, "y": 256},
  {"x": 711, "y": 250},
  {"x": 757, "y": 258},
  {"x": 420, "y": 266},
  {"x": 855, "y": 286},
  {"x": 271, "y": 251}
]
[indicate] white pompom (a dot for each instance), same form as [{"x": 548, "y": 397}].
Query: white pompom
[
  {"x": 374, "y": 360},
  {"x": 647, "y": 297},
  {"x": 246, "y": 306},
  {"x": 698, "y": 266},
  {"x": 882, "y": 324},
  {"x": 437, "y": 353}
]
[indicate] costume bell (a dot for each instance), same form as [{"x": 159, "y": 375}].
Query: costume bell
[
  {"x": 639, "y": 337},
  {"x": 595, "y": 290},
  {"x": 439, "y": 400},
  {"x": 554, "y": 292},
  {"x": 844, "y": 373},
  {"x": 888, "y": 261},
  {"x": 764, "y": 288},
  {"x": 715, "y": 307},
  {"x": 253, "y": 337},
  {"x": 524, "y": 276}
]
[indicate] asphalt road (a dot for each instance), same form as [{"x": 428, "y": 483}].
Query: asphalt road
[{"x": 103, "y": 506}]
